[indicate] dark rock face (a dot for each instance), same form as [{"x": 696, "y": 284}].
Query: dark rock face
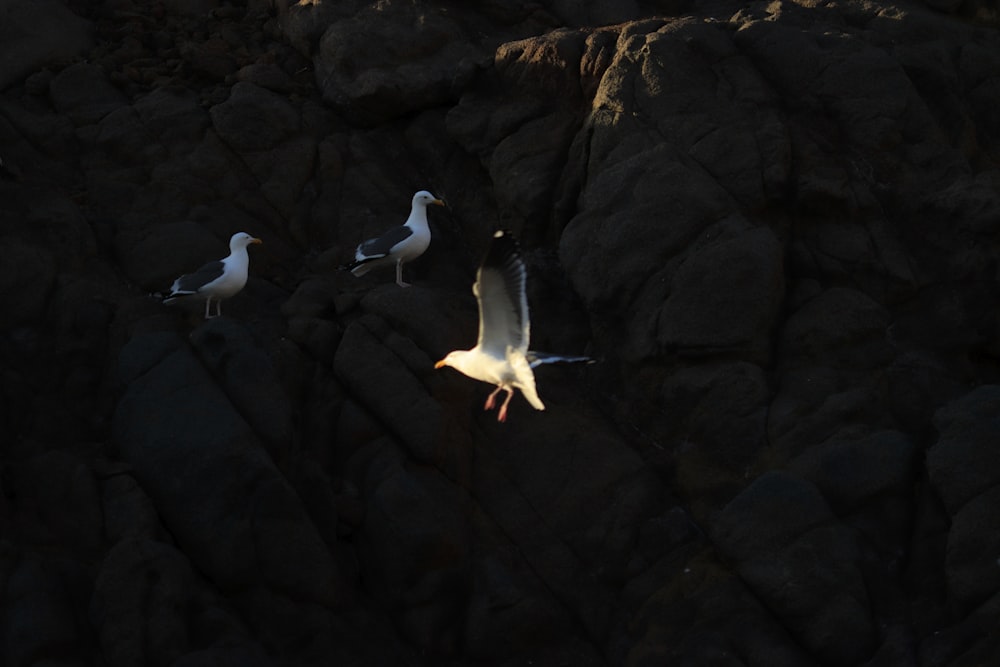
[{"x": 774, "y": 226}]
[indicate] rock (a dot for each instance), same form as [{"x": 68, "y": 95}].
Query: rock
[
  {"x": 254, "y": 118},
  {"x": 944, "y": 5},
  {"x": 416, "y": 548},
  {"x": 190, "y": 7},
  {"x": 703, "y": 614},
  {"x": 547, "y": 66},
  {"x": 310, "y": 311},
  {"x": 836, "y": 320},
  {"x": 35, "y": 34},
  {"x": 622, "y": 249},
  {"x": 246, "y": 373},
  {"x": 973, "y": 576},
  {"x": 960, "y": 464},
  {"x": 122, "y": 135},
  {"x": 852, "y": 474},
  {"x": 595, "y": 13},
  {"x": 965, "y": 474},
  {"x": 59, "y": 225},
  {"x": 63, "y": 496},
  {"x": 773, "y": 226},
  {"x": 417, "y": 313},
  {"x": 128, "y": 511},
  {"x": 212, "y": 58},
  {"x": 795, "y": 556},
  {"x": 150, "y": 606},
  {"x": 528, "y": 162},
  {"x": 173, "y": 114},
  {"x": 161, "y": 438},
  {"x": 266, "y": 75},
  {"x": 725, "y": 297},
  {"x": 84, "y": 93},
  {"x": 555, "y": 518},
  {"x": 391, "y": 60},
  {"x": 715, "y": 455},
  {"x": 42, "y": 621},
  {"x": 303, "y": 24},
  {"x": 867, "y": 481},
  {"x": 285, "y": 172},
  {"x": 27, "y": 277},
  {"x": 368, "y": 364},
  {"x": 153, "y": 257}
]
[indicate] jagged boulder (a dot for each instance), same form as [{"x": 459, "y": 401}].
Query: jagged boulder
[
  {"x": 35, "y": 34},
  {"x": 773, "y": 226},
  {"x": 198, "y": 502}
]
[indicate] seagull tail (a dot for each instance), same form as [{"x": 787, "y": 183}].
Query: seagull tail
[
  {"x": 170, "y": 297},
  {"x": 361, "y": 266},
  {"x": 530, "y": 394}
]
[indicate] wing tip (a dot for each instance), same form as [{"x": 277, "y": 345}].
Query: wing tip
[{"x": 504, "y": 242}]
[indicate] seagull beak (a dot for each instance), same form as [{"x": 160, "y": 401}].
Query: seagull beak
[
  {"x": 256, "y": 241},
  {"x": 439, "y": 202},
  {"x": 440, "y": 364}
]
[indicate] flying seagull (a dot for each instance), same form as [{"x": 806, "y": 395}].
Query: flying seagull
[
  {"x": 216, "y": 280},
  {"x": 501, "y": 355},
  {"x": 398, "y": 245}
]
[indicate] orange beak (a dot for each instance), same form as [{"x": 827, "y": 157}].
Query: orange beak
[{"x": 440, "y": 364}]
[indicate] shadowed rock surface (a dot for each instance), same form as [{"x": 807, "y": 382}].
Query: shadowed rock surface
[{"x": 775, "y": 225}]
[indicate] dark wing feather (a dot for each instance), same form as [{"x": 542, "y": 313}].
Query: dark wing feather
[
  {"x": 380, "y": 247},
  {"x": 503, "y": 304},
  {"x": 192, "y": 282}
]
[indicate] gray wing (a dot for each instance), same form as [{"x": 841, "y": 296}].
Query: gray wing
[
  {"x": 190, "y": 283},
  {"x": 503, "y": 304},
  {"x": 381, "y": 246},
  {"x": 536, "y": 359}
]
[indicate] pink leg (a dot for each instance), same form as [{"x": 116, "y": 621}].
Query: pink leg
[
  {"x": 502, "y": 415},
  {"x": 208, "y": 305},
  {"x": 491, "y": 399}
]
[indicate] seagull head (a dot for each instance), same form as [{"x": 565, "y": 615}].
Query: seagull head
[
  {"x": 423, "y": 198},
  {"x": 241, "y": 240},
  {"x": 454, "y": 359}
]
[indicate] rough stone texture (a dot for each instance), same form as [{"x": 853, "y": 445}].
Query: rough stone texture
[
  {"x": 965, "y": 474},
  {"x": 38, "y": 33},
  {"x": 774, "y": 226},
  {"x": 802, "y": 565}
]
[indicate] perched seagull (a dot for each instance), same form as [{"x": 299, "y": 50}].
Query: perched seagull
[
  {"x": 501, "y": 354},
  {"x": 398, "y": 245},
  {"x": 216, "y": 280}
]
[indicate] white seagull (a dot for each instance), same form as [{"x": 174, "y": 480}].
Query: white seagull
[
  {"x": 501, "y": 355},
  {"x": 398, "y": 245},
  {"x": 219, "y": 279}
]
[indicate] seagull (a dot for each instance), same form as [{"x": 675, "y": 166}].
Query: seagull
[
  {"x": 501, "y": 355},
  {"x": 400, "y": 244},
  {"x": 216, "y": 280}
]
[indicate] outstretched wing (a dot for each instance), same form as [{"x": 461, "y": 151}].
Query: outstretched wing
[
  {"x": 536, "y": 359},
  {"x": 503, "y": 304}
]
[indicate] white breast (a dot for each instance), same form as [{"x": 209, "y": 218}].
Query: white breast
[{"x": 233, "y": 279}]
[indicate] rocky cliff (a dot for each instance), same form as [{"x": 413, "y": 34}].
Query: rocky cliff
[{"x": 774, "y": 224}]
